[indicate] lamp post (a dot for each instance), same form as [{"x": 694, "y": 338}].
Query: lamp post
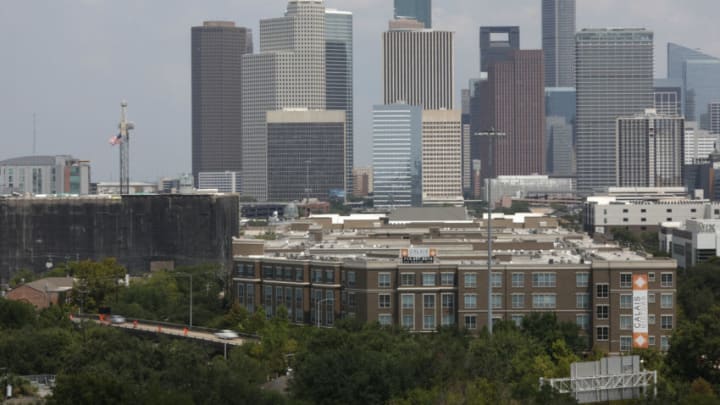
[
  {"x": 317, "y": 308},
  {"x": 491, "y": 134}
]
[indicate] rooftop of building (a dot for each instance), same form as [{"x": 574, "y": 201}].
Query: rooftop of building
[{"x": 36, "y": 160}]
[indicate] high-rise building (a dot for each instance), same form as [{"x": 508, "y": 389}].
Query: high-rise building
[
  {"x": 306, "y": 154},
  {"x": 558, "y": 36},
  {"x": 339, "y": 76},
  {"x": 418, "y": 68},
  {"x": 397, "y": 155},
  {"x": 650, "y": 150},
  {"x": 698, "y": 143},
  {"x": 420, "y": 10},
  {"x": 514, "y": 103},
  {"x": 497, "y": 43},
  {"x": 363, "y": 181},
  {"x": 714, "y": 118},
  {"x": 700, "y": 76},
  {"x": 560, "y": 130},
  {"x": 614, "y": 76},
  {"x": 60, "y": 174},
  {"x": 441, "y": 156},
  {"x": 668, "y": 96},
  {"x": 289, "y": 72},
  {"x": 223, "y": 182},
  {"x": 217, "y": 48}
]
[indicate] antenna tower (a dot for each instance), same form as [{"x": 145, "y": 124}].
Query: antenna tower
[{"x": 124, "y": 138}]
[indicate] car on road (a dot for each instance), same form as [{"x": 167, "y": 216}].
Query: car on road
[
  {"x": 117, "y": 319},
  {"x": 226, "y": 334}
]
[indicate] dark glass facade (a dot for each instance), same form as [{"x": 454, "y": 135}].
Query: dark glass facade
[
  {"x": 420, "y": 10},
  {"x": 497, "y": 44}
]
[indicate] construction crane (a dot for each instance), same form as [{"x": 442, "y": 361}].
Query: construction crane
[{"x": 123, "y": 139}]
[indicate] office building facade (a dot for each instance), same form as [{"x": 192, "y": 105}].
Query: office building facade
[
  {"x": 560, "y": 130},
  {"x": 306, "y": 154},
  {"x": 60, "y": 174},
  {"x": 420, "y": 10},
  {"x": 441, "y": 156},
  {"x": 713, "y": 114},
  {"x": 622, "y": 87},
  {"x": 216, "y": 55},
  {"x": 558, "y": 36},
  {"x": 700, "y": 76},
  {"x": 397, "y": 155},
  {"x": 668, "y": 97},
  {"x": 223, "y": 182},
  {"x": 497, "y": 43}
]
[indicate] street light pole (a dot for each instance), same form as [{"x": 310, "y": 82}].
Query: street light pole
[
  {"x": 492, "y": 134},
  {"x": 317, "y": 308}
]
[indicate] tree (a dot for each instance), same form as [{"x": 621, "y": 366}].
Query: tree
[
  {"x": 16, "y": 314},
  {"x": 96, "y": 282}
]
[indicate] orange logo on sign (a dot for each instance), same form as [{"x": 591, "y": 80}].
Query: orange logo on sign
[
  {"x": 640, "y": 340},
  {"x": 640, "y": 282}
]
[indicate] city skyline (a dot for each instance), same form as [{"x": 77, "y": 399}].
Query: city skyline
[{"x": 74, "y": 86}]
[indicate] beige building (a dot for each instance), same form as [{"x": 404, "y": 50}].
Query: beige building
[
  {"x": 441, "y": 157},
  {"x": 362, "y": 181}
]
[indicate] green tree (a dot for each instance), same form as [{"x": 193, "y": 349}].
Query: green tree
[
  {"x": 96, "y": 282},
  {"x": 16, "y": 314}
]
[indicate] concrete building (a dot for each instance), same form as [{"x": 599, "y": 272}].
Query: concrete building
[
  {"x": 60, "y": 174},
  {"x": 692, "y": 242},
  {"x": 424, "y": 276},
  {"x": 419, "y": 68},
  {"x": 441, "y": 157},
  {"x": 649, "y": 150},
  {"x": 288, "y": 72},
  {"x": 420, "y": 10},
  {"x": 217, "y": 48},
  {"x": 306, "y": 154},
  {"x": 668, "y": 97},
  {"x": 223, "y": 182},
  {"x": 529, "y": 187},
  {"x": 339, "y": 77},
  {"x": 714, "y": 118},
  {"x": 560, "y": 131},
  {"x": 514, "y": 103},
  {"x": 699, "y": 143},
  {"x": 363, "y": 181},
  {"x": 558, "y": 36},
  {"x": 703, "y": 175},
  {"x": 497, "y": 43},
  {"x": 614, "y": 79},
  {"x": 397, "y": 155}
]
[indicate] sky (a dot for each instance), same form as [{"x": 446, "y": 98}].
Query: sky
[{"x": 71, "y": 63}]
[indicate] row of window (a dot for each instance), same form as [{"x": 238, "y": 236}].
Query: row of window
[{"x": 602, "y": 333}]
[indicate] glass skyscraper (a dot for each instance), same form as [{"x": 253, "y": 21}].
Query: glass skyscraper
[
  {"x": 558, "y": 36},
  {"x": 560, "y": 130},
  {"x": 420, "y": 10},
  {"x": 700, "y": 76}
]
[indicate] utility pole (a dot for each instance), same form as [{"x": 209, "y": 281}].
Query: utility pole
[
  {"x": 491, "y": 135},
  {"x": 124, "y": 140}
]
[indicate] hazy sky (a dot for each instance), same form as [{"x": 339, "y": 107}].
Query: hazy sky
[{"x": 72, "y": 61}]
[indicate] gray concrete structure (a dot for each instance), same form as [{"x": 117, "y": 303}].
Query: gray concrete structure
[
  {"x": 529, "y": 187},
  {"x": 691, "y": 242},
  {"x": 558, "y": 36}
]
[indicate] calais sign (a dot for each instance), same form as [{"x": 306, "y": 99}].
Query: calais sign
[
  {"x": 418, "y": 255},
  {"x": 640, "y": 311}
]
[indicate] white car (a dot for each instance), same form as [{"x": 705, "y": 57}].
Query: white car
[
  {"x": 117, "y": 319},
  {"x": 226, "y": 334}
]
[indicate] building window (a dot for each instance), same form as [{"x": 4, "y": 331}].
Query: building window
[
  {"x": 582, "y": 301},
  {"x": 651, "y": 298},
  {"x": 625, "y": 280},
  {"x": 651, "y": 340},
  {"x": 626, "y": 322},
  {"x": 408, "y": 322},
  {"x": 408, "y": 301},
  {"x": 428, "y": 301},
  {"x": 407, "y": 279},
  {"x": 383, "y": 300},
  {"x": 429, "y": 279},
  {"x": 385, "y": 319},
  {"x": 471, "y": 322},
  {"x": 602, "y": 311},
  {"x": 429, "y": 322},
  {"x": 383, "y": 280},
  {"x": 267, "y": 271},
  {"x": 626, "y": 301},
  {"x": 666, "y": 322},
  {"x": 664, "y": 343},
  {"x": 447, "y": 279},
  {"x": 625, "y": 343},
  {"x": 329, "y": 276},
  {"x": 518, "y": 301},
  {"x": 651, "y": 277},
  {"x": 651, "y": 319},
  {"x": 470, "y": 301},
  {"x": 497, "y": 300},
  {"x": 518, "y": 280},
  {"x": 582, "y": 321},
  {"x": 470, "y": 280},
  {"x": 544, "y": 300},
  {"x": 602, "y": 333},
  {"x": 299, "y": 276},
  {"x": 582, "y": 279},
  {"x": 666, "y": 301},
  {"x": 497, "y": 280},
  {"x": 544, "y": 280},
  {"x": 517, "y": 319},
  {"x": 666, "y": 280},
  {"x": 602, "y": 290}
]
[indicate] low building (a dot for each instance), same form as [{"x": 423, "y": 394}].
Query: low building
[
  {"x": 136, "y": 187},
  {"x": 60, "y": 174},
  {"x": 44, "y": 292},
  {"x": 223, "y": 182},
  {"x": 534, "y": 186},
  {"x": 362, "y": 181},
  {"x": 691, "y": 242}
]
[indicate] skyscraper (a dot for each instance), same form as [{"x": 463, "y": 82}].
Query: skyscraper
[
  {"x": 339, "y": 76},
  {"x": 217, "y": 48},
  {"x": 420, "y": 10},
  {"x": 700, "y": 76},
  {"x": 714, "y": 118},
  {"x": 560, "y": 130},
  {"x": 496, "y": 44},
  {"x": 614, "y": 76},
  {"x": 397, "y": 155},
  {"x": 650, "y": 150},
  {"x": 558, "y": 36},
  {"x": 668, "y": 96},
  {"x": 441, "y": 156},
  {"x": 514, "y": 103},
  {"x": 289, "y": 72},
  {"x": 418, "y": 68}
]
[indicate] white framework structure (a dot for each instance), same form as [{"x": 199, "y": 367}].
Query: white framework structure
[{"x": 597, "y": 388}]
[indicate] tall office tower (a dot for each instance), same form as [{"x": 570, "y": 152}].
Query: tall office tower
[
  {"x": 306, "y": 154},
  {"x": 700, "y": 76},
  {"x": 441, "y": 156},
  {"x": 650, "y": 150},
  {"x": 714, "y": 118},
  {"x": 419, "y": 68},
  {"x": 217, "y": 50},
  {"x": 397, "y": 155},
  {"x": 289, "y": 72},
  {"x": 420, "y": 10},
  {"x": 667, "y": 94},
  {"x": 515, "y": 105},
  {"x": 496, "y": 44},
  {"x": 558, "y": 36},
  {"x": 614, "y": 76},
  {"x": 698, "y": 143},
  {"x": 560, "y": 130},
  {"x": 339, "y": 76}
]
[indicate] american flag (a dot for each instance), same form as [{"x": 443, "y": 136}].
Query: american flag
[{"x": 115, "y": 140}]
